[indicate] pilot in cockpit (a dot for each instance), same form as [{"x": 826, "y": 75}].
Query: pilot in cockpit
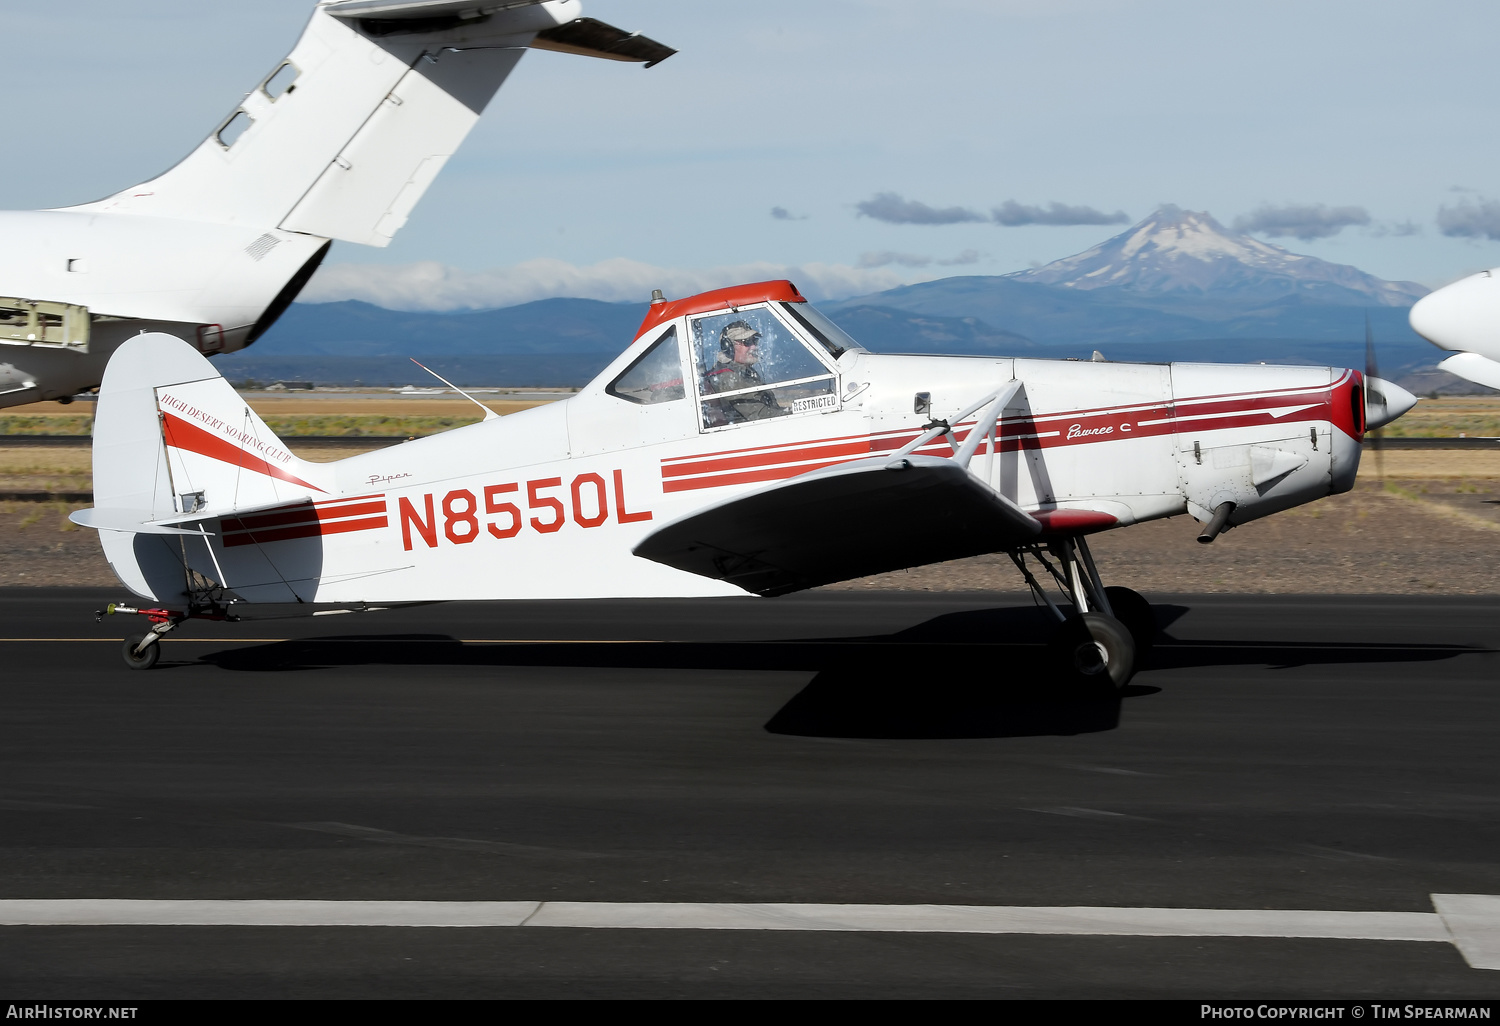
[{"x": 734, "y": 369}]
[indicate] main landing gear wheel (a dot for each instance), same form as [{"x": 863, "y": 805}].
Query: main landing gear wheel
[
  {"x": 142, "y": 659},
  {"x": 1132, "y": 610},
  {"x": 1095, "y": 652}
]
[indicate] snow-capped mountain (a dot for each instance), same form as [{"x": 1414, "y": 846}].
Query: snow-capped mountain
[{"x": 1186, "y": 253}]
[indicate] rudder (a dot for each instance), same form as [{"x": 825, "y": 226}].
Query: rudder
[{"x": 175, "y": 446}]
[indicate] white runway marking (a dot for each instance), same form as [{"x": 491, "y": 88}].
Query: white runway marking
[
  {"x": 169, "y": 912},
  {"x": 1474, "y": 921},
  {"x": 1126, "y": 922},
  {"x": 1469, "y": 921}
]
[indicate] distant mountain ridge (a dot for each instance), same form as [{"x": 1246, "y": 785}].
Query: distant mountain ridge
[
  {"x": 1178, "y": 276},
  {"x": 1188, "y": 254},
  {"x": 547, "y": 326},
  {"x": 1176, "y": 286}
]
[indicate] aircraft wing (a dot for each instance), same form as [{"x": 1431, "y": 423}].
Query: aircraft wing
[{"x": 859, "y": 518}]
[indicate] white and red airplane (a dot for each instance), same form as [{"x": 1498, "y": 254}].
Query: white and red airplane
[
  {"x": 339, "y": 140},
  {"x": 742, "y": 443}
]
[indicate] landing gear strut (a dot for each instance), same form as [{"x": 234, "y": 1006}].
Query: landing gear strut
[{"x": 1110, "y": 631}]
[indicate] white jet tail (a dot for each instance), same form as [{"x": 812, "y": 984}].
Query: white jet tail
[
  {"x": 344, "y": 136},
  {"x": 176, "y": 449}
]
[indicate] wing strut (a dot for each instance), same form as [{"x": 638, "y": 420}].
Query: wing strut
[{"x": 938, "y": 428}]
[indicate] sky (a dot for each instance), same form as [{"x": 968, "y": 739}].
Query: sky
[{"x": 852, "y": 145}]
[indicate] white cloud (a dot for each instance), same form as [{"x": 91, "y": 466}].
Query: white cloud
[
  {"x": 1305, "y": 221},
  {"x": 1011, "y": 214},
  {"x": 434, "y": 286},
  {"x": 892, "y": 208},
  {"x": 1471, "y": 220}
]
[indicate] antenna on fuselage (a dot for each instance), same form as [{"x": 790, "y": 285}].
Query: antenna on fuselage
[{"x": 489, "y": 414}]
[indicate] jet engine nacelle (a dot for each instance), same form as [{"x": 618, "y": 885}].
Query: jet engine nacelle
[{"x": 1464, "y": 317}]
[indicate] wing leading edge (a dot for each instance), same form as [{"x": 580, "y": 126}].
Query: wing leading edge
[{"x": 834, "y": 524}]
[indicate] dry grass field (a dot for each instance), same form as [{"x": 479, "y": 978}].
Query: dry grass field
[
  {"x": 393, "y": 415},
  {"x": 1432, "y": 526},
  {"x": 386, "y": 416},
  {"x": 1419, "y": 521},
  {"x": 1452, "y": 416}
]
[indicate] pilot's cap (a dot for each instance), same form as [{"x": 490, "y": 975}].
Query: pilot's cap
[
  {"x": 736, "y": 331},
  {"x": 739, "y": 331}
]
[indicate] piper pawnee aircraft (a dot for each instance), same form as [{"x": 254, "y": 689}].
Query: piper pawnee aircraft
[
  {"x": 339, "y": 140},
  {"x": 741, "y": 443}
]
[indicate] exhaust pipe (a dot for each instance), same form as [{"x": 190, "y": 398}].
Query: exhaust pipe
[{"x": 1218, "y": 523}]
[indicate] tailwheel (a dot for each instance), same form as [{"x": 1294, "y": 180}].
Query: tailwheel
[
  {"x": 1132, "y": 610},
  {"x": 1095, "y": 651},
  {"x": 141, "y": 651}
]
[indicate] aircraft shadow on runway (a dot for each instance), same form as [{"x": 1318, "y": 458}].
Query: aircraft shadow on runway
[{"x": 974, "y": 674}]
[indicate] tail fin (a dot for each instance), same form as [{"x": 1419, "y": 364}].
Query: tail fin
[
  {"x": 173, "y": 439},
  {"x": 175, "y": 448},
  {"x": 345, "y": 135}
]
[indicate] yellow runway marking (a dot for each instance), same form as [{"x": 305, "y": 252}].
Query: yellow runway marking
[{"x": 380, "y": 638}]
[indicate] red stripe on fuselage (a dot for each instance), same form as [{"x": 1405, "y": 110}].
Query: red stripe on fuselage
[
  {"x": 1050, "y": 430},
  {"x": 746, "y": 476},
  {"x": 303, "y": 513},
  {"x": 768, "y": 450},
  {"x": 304, "y": 531},
  {"x": 820, "y": 450}
]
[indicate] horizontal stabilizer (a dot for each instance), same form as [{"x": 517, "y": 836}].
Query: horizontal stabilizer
[
  {"x": 592, "y": 38},
  {"x": 423, "y": 8},
  {"x": 203, "y": 516},
  {"x": 843, "y": 522},
  {"x": 131, "y": 521}
]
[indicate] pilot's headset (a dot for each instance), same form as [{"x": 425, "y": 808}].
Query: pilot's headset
[{"x": 735, "y": 331}]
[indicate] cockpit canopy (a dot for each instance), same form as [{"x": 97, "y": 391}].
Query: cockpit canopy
[{"x": 750, "y": 353}]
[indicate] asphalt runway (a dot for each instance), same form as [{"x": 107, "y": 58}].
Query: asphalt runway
[{"x": 1314, "y": 753}]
